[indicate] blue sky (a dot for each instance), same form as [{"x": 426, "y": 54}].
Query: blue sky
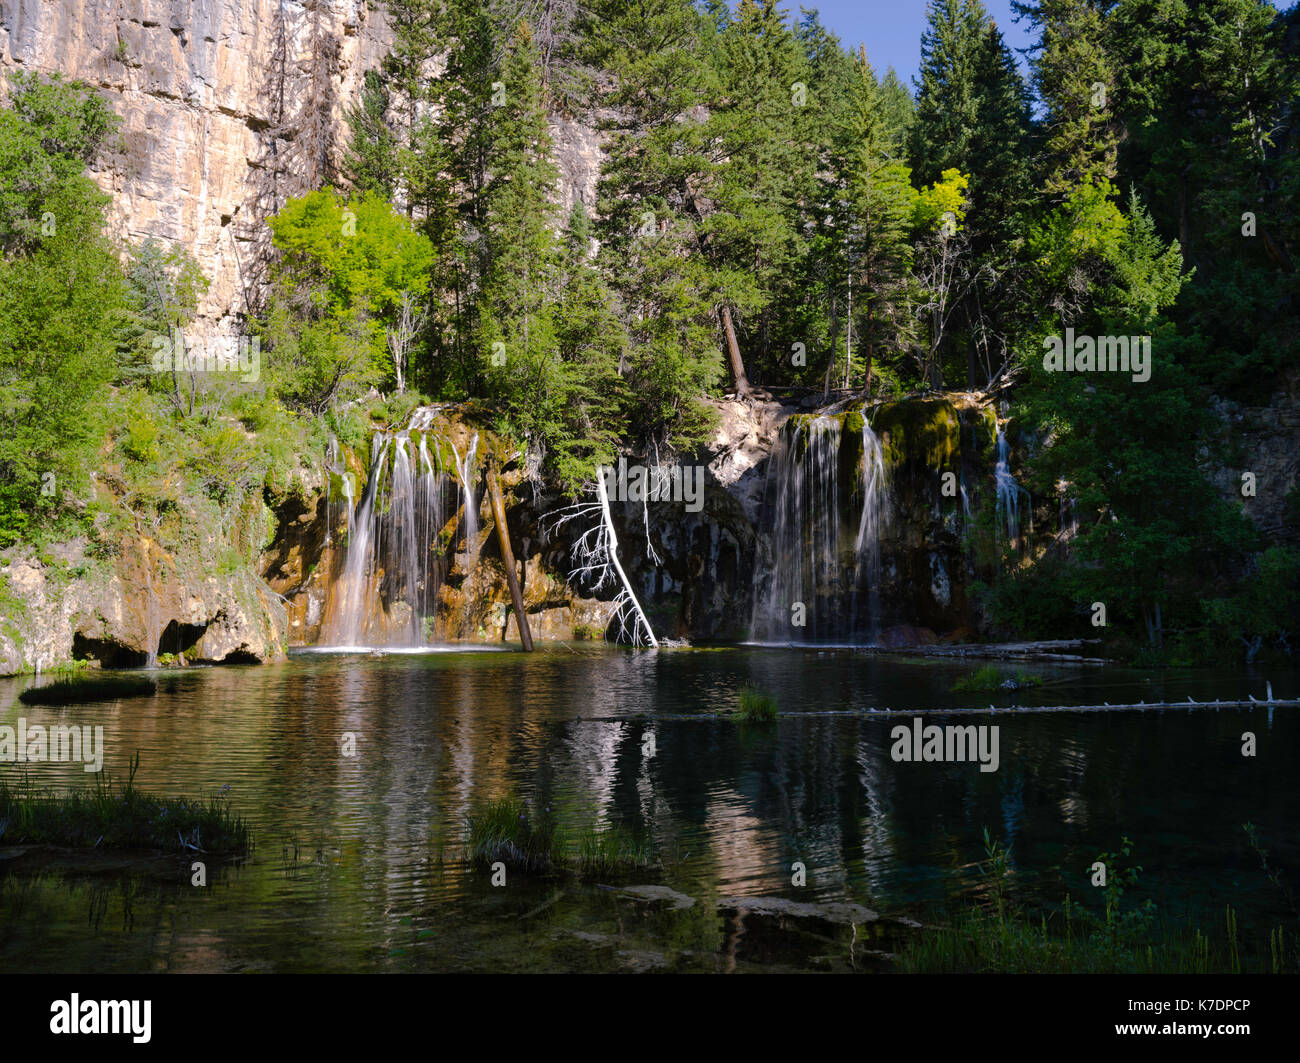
[{"x": 891, "y": 29}]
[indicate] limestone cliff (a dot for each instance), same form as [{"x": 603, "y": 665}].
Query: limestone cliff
[
  {"x": 228, "y": 107},
  {"x": 210, "y": 93}
]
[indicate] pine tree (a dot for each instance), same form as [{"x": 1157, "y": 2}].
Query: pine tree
[
  {"x": 1075, "y": 78},
  {"x": 899, "y": 108},
  {"x": 881, "y": 201},
  {"x": 998, "y": 159},
  {"x": 591, "y": 340},
  {"x": 749, "y": 230},
  {"x": 371, "y": 160},
  {"x": 518, "y": 286},
  {"x": 947, "y": 107},
  {"x": 648, "y": 216}
]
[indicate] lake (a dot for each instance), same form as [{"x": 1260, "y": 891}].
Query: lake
[{"x": 357, "y": 863}]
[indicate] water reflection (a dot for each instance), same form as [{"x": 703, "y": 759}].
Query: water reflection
[{"x": 355, "y": 866}]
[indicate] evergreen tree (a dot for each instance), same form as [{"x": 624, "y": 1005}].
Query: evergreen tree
[
  {"x": 947, "y": 108},
  {"x": 1075, "y": 78},
  {"x": 518, "y": 286},
  {"x": 371, "y": 162},
  {"x": 749, "y": 231},
  {"x": 881, "y": 203},
  {"x": 649, "y": 210},
  {"x": 899, "y": 108}
]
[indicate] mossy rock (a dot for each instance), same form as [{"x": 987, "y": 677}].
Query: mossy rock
[{"x": 924, "y": 432}]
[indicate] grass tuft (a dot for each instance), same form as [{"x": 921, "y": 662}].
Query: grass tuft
[
  {"x": 998, "y": 936},
  {"x": 990, "y": 679},
  {"x": 106, "y": 816},
  {"x": 506, "y": 831},
  {"x": 509, "y": 832},
  {"x": 80, "y": 689},
  {"x": 756, "y": 707}
]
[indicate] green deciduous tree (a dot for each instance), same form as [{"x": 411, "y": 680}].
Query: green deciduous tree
[{"x": 62, "y": 291}]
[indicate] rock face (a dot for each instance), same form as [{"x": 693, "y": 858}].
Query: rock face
[
  {"x": 148, "y": 604},
  {"x": 212, "y": 96},
  {"x": 1263, "y": 441},
  {"x": 228, "y": 108}
]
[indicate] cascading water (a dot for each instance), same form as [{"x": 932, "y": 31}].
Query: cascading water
[
  {"x": 466, "y": 473},
  {"x": 1008, "y": 490},
  {"x": 395, "y": 561},
  {"x": 824, "y": 564}
]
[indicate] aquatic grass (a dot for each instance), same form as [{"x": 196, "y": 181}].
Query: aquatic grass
[
  {"x": 999, "y": 937},
  {"x": 990, "y": 679},
  {"x": 506, "y": 831},
  {"x": 613, "y": 849},
  {"x": 80, "y": 689},
  {"x": 109, "y": 816},
  {"x": 509, "y": 832},
  {"x": 756, "y": 707}
]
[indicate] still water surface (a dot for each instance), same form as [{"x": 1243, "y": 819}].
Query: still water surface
[{"x": 356, "y": 865}]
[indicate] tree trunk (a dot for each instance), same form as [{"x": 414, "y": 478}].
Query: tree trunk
[
  {"x": 608, "y": 521},
  {"x": 835, "y": 346},
  {"x": 738, "y": 377},
  {"x": 508, "y": 558}
]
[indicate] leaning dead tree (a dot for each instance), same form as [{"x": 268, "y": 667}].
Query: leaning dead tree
[{"x": 595, "y": 554}]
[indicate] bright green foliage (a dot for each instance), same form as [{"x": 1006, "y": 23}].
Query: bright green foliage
[
  {"x": 345, "y": 269},
  {"x": 1120, "y": 444},
  {"x": 63, "y": 290},
  {"x": 945, "y": 201}
]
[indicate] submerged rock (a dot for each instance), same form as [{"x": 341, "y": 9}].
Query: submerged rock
[
  {"x": 841, "y": 912},
  {"x": 677, "y": 901}
]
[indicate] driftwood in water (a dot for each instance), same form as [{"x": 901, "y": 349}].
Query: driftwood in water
[{"x": 508, "y": 557}]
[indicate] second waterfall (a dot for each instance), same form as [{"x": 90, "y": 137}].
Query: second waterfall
[{"x": 825, "y": 503}]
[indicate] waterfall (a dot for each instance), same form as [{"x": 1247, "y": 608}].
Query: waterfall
[
  {"x": 394, "y": 562},
  {"x": 465, "y": 471},
  {"x": 827, "y": 505},
  {"x": 1008, "y": 490}
]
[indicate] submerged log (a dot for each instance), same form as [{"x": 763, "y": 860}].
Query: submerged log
[{"x": 508, "y": 557}]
